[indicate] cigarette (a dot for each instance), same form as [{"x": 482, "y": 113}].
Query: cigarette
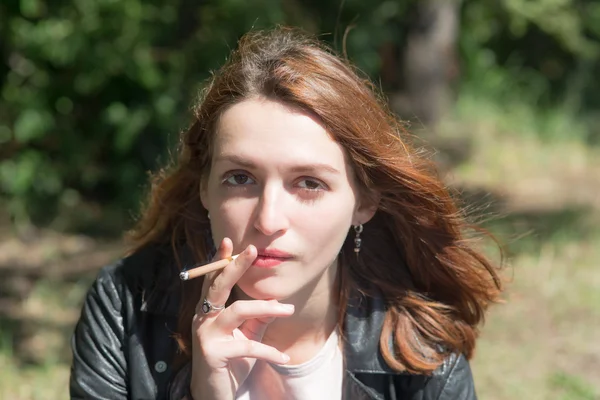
[{"x": 205, "y": 269}]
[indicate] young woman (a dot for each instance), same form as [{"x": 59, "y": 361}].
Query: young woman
[{"x": 355, "y": 278}]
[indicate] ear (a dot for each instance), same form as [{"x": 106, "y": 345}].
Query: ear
[{"x": 366, "y": 208}]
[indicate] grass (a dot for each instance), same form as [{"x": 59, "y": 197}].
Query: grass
[
  {"x": 534, "y": 172},
  {"x": 546, "y": 329},
  {"x": 542, "y": 193},
  {"x": 571, "y": 387},
  {"x": 42, "y": 382},
  {"x": 44, "y": 326}
]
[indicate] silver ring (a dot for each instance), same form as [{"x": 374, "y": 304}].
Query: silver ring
[{"x": 208, "y": 307}]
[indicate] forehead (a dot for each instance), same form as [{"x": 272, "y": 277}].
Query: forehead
[{"x": 268, "y": 131}]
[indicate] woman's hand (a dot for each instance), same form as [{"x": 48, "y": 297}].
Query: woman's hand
[{"x": 226, "y": 343}]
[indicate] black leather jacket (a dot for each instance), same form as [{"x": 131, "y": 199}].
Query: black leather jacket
[{"x": 123, "y": 345}]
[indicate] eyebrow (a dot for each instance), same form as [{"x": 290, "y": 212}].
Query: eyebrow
[{"x": 299, "y": 168}]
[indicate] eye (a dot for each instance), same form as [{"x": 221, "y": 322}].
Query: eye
[
  {"x": 311, "y": 184},
  {"x": 238, "y": 179}
]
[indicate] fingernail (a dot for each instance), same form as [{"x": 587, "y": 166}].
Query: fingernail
[
  {"x": 287, "y": 307},
  {"x": 285, "y": 357}
]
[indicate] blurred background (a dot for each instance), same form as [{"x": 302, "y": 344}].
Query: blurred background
[{"x": 93, "y": 95}]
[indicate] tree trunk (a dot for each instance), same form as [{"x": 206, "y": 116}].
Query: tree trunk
[{"x": 426, "y": 64}]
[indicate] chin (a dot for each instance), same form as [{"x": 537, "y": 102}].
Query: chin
[{"x": 264, "y": 291}]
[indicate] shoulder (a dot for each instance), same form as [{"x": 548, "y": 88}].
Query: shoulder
[
  {"x": 100, "y": 363},
  {"x": 137, "y": 270},
  {"x": 125, "y": 280},
  {"x": 147, "y": 280}
]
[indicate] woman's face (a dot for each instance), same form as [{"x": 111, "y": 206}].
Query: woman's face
[{"x": 280, "y": 182}]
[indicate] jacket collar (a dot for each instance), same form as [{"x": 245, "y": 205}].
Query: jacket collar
[
  {"x": 364, "y": 321},
  {"x": 160, "y": 288}
]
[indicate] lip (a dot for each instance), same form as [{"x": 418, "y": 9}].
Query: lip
[
  {"x": 270, "y": 258},
  {"x": 274, "y": 253}
]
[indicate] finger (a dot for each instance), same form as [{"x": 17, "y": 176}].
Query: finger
[
  {"x": 254, "y": 329},
  {"x": 242, "y": 310},
  {"x": 220, "y": 288},
  {"x": 224, "y": 251},
  {"x": 251, "y": 349}
]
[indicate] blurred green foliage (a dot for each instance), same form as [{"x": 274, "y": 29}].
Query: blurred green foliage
[
  {"x": 546, "y": 50},
  {"x": 95, "y": 92}
]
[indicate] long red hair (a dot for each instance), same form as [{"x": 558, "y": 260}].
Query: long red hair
[{"x": 416, "y": 253}]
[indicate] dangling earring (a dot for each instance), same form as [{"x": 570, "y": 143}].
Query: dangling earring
[
  {"x": 357, "y": 240},
  {"x": 208, "y": 215}
]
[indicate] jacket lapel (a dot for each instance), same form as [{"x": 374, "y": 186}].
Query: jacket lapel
[
  {"x": 364, "y": 321},
  {"x": 353, "y": 389}
]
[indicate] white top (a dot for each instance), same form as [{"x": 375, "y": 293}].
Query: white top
[{"x": 317, "y": 379}]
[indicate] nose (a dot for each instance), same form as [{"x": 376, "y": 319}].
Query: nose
[{"x": 270, "y": 215}]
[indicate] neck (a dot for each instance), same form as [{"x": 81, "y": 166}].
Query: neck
[{"x": 309, "y": 327}]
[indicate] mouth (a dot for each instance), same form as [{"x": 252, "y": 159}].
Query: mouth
[{"x": 269, "y": 258}]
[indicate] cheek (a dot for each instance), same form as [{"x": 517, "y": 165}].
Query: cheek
[
  {"x": 327, "y": 222},
  {"x": 231, "y": 220}
]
